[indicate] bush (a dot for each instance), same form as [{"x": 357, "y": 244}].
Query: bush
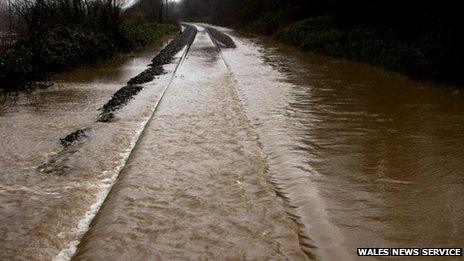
[
  {"x": 15, "y": 67},
  {"x": 297, "y": 32},
  {"x": 138, "y": 33},
  {"x": 270, "y": 22},
  {"x": 57, "y": 35},
  {"x": 430, "y": 54},
  {"x": 63, "y": 48}
]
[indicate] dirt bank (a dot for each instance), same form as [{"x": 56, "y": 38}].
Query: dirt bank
[
  {"x": 165, "y": 56},
  {"x": 126, "y": 93},
  {"x": 221, "y": 39},
  {"x": 73, "y": 137}
]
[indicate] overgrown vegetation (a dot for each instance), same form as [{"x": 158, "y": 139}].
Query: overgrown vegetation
[
  {"x": 415, "y": 37},
  {"x": 429, "y": 54},
  {"x": 57, "y": 35}
]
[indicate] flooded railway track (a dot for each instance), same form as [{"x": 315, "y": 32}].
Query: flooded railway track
[{"x": 243, "y": 150}]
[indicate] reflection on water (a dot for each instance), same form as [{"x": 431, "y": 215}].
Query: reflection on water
[
  {"x": 40, "y": 214},
  {"x": 383, "y": 153},
  {"x": 362, "y": 158},
  {"x": 389, "y": 153},
  {"x": 194, "y": 186}
]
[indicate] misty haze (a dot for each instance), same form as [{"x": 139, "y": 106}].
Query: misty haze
[{"x": 231, "y": 130}]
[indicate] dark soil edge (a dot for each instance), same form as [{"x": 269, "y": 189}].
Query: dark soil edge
[
  {"x": 74, "y": 137},
  {"x": 221, "y": 38},
  {"x": 119, "y": 99},
  {"x": 126, "y": 93},
  {"x": 165, "y": 56},
  {"x": 146, "y": 76}
]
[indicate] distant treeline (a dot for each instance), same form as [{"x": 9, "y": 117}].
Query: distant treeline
[{"x": 422, "y": 38}]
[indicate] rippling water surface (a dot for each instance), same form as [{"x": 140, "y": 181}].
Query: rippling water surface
[
  {"x": 48, "y": 194},
  {"x": 258, "y": 151},
  {"x": 195, "y": 185},
  {"x": 367, "y": 158}
]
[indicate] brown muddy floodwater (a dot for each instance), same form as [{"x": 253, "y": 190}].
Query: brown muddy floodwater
[
  {"x": 367, "y": 158},
  {"x": 45, "y": 212},
  {"x": 257, "y": 152}
]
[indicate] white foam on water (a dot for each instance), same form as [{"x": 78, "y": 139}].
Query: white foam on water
[
  {"x": 84, "y": 224},
  {"x": 106, "y": 185}
]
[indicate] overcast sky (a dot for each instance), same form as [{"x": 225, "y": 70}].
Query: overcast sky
[{"x": 131, "y": 2}]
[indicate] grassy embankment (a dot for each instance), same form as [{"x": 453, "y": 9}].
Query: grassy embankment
[
  {"x": 429, "y": 54},
  {"x": 414, "y": 37},
  {"x": 53, "y": 40}
]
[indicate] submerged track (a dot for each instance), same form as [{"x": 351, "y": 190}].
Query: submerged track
[
  {"x": 68, "y": 252},
  {"x": 195, "y": 184}
]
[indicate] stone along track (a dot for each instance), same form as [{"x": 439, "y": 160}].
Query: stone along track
[{"x": 195, "y": 185}]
